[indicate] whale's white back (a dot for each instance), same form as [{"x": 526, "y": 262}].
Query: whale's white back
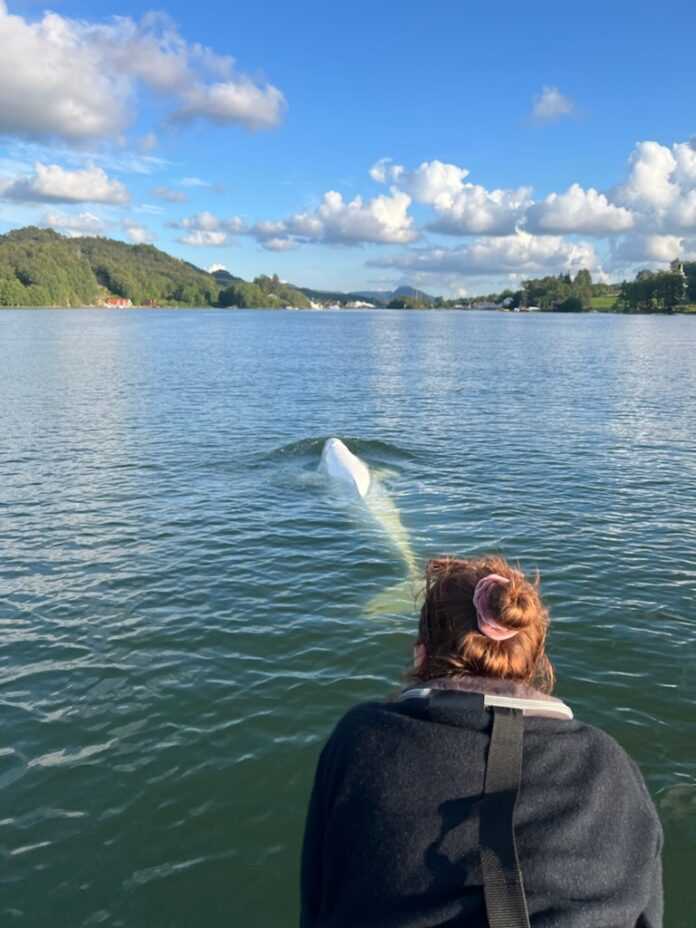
[{"x": 341, "y": 464}]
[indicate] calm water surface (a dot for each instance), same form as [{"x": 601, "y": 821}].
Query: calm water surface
[{"x": 183, "y": 600}]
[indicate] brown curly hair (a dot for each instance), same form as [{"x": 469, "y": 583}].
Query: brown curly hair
[{"x": 449, "y": 631}]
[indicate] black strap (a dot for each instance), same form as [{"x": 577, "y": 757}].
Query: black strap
[{"x": 503, "y": 887}]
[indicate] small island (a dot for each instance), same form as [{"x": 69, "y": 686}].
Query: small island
[{"x": 40, "y": 268}]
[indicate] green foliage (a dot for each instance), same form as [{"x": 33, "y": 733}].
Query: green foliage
[
  {"x": 243, "y": 295},
  {"x": 554, "y": 292},
  {"x": 582, "y": 289},
  {"x": 571, "y": 304},
  {"x": 605, "y": 301},
  {"x": 653, "y": 292},
  {"x": 408, "y": 302},
  {"x": 143, "y": 273},
  {"x": 690, "y": 271},
  {"x": 278, "y": 293},
  {"x": 38, "y": 267}
]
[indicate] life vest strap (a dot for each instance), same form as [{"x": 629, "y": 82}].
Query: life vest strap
[{"x": 503, "y": 886}]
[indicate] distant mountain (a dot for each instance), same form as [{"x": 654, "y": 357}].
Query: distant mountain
[
  {"x": 378, "y": 297},
  {"x": 411, "y": 291},
  {"x": 386, "y": 296}
]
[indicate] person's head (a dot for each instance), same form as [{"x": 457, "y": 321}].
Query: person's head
[{"x": 482, "y": 617}]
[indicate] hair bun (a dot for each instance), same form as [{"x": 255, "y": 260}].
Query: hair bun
[{"x": 517, "y": 603}]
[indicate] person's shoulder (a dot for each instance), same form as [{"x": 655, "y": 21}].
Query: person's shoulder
[
  {"x": 367, "y": 719},
  {"x": 371, "y": 712},
  {"x": 602, "y": 754}
]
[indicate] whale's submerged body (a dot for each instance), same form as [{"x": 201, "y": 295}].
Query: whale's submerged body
[{"x": 339, "y": 464}]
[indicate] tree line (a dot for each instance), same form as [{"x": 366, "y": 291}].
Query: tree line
[
  {"x": 39, "y": 267},
  {"x": 659, "y": 291}
]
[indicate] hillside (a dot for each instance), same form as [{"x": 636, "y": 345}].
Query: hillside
[{"x": 39, "y": 267}]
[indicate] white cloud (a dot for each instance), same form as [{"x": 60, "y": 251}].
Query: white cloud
[
  {"x": 381, "y": 171},
  {"x": 136, "y": 233},
  {"x": 428, "y": 183},
  {"x": 279, "y": 244},
  {"x": 209, "y": 222},
  {"x": 76, "y": 80},
  {"x": 170, "y": 194},
  {"x": 205, "y": 228},
  {"x": 232, "y": 102},
  {"x": 51, "y": 183},
  {"x": 578, "y": 210},
  {"x": 661, "y": 188},
  {"x": 551, "y": 104},
  {"x": 650, "y": 182},
  {"x": 462, "y": 208},
  {"x": 682, "y": 214},
  {"x": 477, "y": 211},
  {"x": 216, "y": 267},
  {"x": 638, "y": 249},
  {"x": 521, "y": 253},
  {"x": 75, "y": 224},
  {"x": 201, "y": 238},
  {"x": 685, "y": 158},
  {"x": 383, "y": 220}
]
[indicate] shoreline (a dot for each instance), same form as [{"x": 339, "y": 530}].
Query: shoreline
[{"x": 691, "y": 311}]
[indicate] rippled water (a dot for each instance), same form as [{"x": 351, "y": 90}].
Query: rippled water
[{"x": 183, "y": 601}]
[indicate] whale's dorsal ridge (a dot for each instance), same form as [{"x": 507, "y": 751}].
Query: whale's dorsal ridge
[{"x": 339, "y": 462}]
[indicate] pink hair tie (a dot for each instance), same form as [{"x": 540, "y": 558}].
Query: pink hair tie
[{"x": 484, "y": 615}]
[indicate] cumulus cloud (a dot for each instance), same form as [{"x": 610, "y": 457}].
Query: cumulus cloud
[
  {"x": 650, "y": 182},
  {"x": 205, "y": 228},
  {"x": 75, "y": 224},
  {"x": 428, "y": 183},
  {"x": 477, "y": 211},
  {"x": 279, "y": 244},
  {"x": 660, "y": 188},
  {"x": 76, "y": 80},
  {"x": 170, "y": 194},
  {"x": 233, "y": 102},
  {"x": 463, "y": 208},
  {"x": 50, "y": 183},
  {"x": 578, "y": 210},
  {"x": 522, "y": 253},
  {"x": 551, "y": 104},
  {"x": 203, "y": 238},
  {"x": 136, "y": 233},
  {"x": 638, "y": 249},
  {"x": 215, "y": 267},
  {"x": 382, "y": 220}
]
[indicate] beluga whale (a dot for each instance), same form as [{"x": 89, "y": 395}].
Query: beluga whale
[
  {"x": 352, "y": 475},
  {"x": 339, "y": 463}
]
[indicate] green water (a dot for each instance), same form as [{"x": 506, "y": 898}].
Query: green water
[{"x": 183, "y": 599}]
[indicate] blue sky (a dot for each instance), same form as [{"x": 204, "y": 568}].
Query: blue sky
[{"x": 523, "y": 139}]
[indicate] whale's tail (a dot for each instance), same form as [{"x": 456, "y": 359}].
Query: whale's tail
[{"x": 399, "y": 599}]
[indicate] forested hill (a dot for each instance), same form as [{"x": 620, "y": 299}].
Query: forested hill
[{"x": 38, "y": 267}]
